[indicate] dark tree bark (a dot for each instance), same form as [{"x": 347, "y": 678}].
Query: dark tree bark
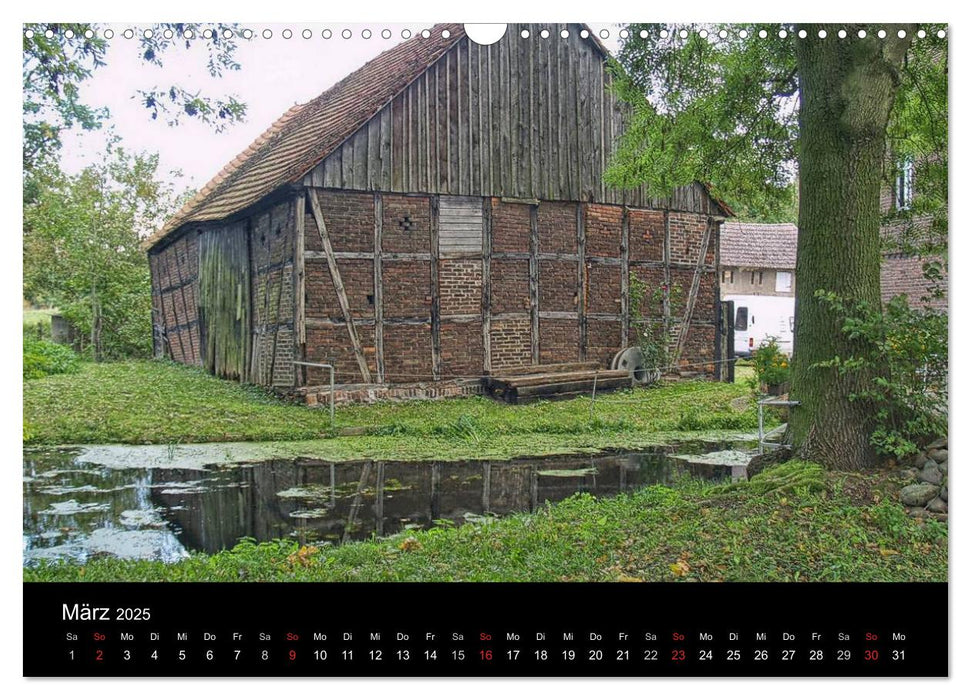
[{"x": 847, "y": 88}]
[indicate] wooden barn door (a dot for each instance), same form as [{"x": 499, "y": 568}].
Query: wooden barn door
[{"x": 224, "y": 300}]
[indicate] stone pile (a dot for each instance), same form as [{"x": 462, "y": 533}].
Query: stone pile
[{"x": 926, "y": 496}]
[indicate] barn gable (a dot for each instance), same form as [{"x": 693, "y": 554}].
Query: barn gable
[{"x": 525, "y": 118}]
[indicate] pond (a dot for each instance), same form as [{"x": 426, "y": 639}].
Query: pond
[{"x": 75, "y": 509}]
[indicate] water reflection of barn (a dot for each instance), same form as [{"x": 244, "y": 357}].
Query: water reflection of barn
[
  {"x": 439, "y": 213},
  {"x": 352, "y": 500}
]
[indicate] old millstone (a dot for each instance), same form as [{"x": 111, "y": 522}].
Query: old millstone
[
  {"x": 931, "y": 475},
  {"x": 937, "y": 454},
  {"x": 917, "y": 494},
  {"x": 937, "y": 506}
]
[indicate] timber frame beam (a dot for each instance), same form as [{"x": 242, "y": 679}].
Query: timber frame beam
[{"x": 335, "y": 275}]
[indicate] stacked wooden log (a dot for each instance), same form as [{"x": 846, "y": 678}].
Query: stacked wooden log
[{"x": 564, "y": 380}]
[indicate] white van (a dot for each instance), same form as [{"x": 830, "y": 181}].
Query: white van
[{"x": 758, "y": 318}]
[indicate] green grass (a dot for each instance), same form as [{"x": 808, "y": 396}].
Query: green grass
[
  {"x": 808, "y": 525},
  {"x": 744, "y": 372},
  {"x": 142, "y": 402}
]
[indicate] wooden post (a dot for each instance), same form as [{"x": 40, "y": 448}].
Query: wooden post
[
  {"x": 378, "y": 287},
  {"x": 666, "y": 297},
  {"x": 436, "y": 292},
  {"x": 625, "y": 279},
  {"x": 534, "y": 283},
  {"x": 335, "y": 275},
  {"x": 487, "y": 285},
  {"x": 299, "y": 273},
  {"x": 582, "y": 280}
]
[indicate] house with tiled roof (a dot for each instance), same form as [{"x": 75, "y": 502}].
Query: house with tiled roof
[
  {"x": 758, "y": 259},
  {"x": 436, "y": 216}
]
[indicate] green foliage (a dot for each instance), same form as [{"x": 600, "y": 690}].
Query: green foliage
[
  {"x": 792, "y": 524},
  {"x": 43, "y": 358},
  {"x": 56, "y": 67},
  {"x": 918, "y": 132},
  {"x": 770, "y": 363},
  {"x": 901, "y": 363},
  {"x": 82, "y": 248},
  {"x": 651, "y": 331},
  {"x": 718, "y": 110},
  {"x": 37, "y": 323},
  {"x": 166, "y": 403}
]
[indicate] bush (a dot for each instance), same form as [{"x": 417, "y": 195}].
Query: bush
[
  {"x": 42, "y": 357},
  {"x": 901, "y": 365}
]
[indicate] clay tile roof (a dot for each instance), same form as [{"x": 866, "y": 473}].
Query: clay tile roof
[
  {"x": 307, "y": 133},
  {"x": 758, "y": 245}
]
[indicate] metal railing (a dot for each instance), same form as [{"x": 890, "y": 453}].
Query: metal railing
[{"x": 331, "y": 368}]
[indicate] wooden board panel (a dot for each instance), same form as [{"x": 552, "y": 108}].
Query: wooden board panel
[
  {"x": 523, "y": 118},
  {"x": 460, "y": 225}
]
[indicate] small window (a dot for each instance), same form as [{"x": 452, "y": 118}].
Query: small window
[
  {"x": 904, "y": 184},
  {"x": 728, "y": 276},
  {"x": 783, "y": 281},
  {"x": 741, "y": 318},
  {"x": 756, "y": 277}
]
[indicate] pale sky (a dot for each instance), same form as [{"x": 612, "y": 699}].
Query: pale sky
[{"x": 275, "y": 74}]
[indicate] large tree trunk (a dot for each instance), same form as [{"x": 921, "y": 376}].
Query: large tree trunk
[{"x": 847, "y": 88}]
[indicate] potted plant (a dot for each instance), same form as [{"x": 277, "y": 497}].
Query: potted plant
[{"x": 771, "y": 368}]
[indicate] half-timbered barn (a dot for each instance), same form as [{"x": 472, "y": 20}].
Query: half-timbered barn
[{"x": 438, "y": 215}]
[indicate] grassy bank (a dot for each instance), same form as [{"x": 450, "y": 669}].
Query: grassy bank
[
  {"x": 794, "y": 522},
  {"x": 166, "y": 403}
]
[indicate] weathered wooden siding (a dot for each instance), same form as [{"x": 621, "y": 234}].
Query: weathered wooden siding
[
  {"x": 175, "y": 290},
  {"x": 224, "y": 297},
  {"x": 224, "y": 300},
  {"x": 273, "y": 342},
  {"x": 524, "y": 118}
]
